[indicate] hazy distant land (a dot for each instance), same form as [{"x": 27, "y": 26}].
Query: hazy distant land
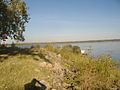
[{"x": 88, "y": 41}]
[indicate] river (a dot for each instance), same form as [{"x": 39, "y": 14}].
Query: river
[{"x": 95, "y": 49}]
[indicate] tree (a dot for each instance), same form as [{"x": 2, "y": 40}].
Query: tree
[{"x": 13, "y": 17}]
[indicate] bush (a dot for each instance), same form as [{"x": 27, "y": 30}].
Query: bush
[
  {"x": 76, "y": 49},
  {"x": 70, "y": 48},
  {"x": 37, "y": 46},
  {"x": 67, "y": 48},
  {"x": 51, "y": 48},
  {"x": 89, "y": 74}
]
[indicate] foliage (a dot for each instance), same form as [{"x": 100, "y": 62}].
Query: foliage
[
  {"x": 13, "y": 16},
  {"x": 51, "y": 48},
  {"x": 35, "y": 46},
  {"x": 67, "y": 48},
  {"x": 87, "y": 73},
  {"x": 18, "y": 70},
  {"x": 76, "y": 49},
  {"x": 81, "y": 72},
  {"x": 70, "y": 48}
]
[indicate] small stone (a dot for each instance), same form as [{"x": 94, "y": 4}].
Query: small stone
[
  {"x": 46, "y": 57},
  {"x": 59, "y": 55},
  {"x": 49, "y": 65},
  {"x": 37, "y": 58},
  {"x": 43, "y": 64},
  {"x": 53, "y": 89}
]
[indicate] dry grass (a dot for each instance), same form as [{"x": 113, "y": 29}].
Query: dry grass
[
  {"x": 82, "y": 71},
  {"x": 87, "y": 73},
  {"x": 17, "y": 70}
]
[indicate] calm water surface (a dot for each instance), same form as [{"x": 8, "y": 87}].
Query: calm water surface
[
  {"x": 100, "y": 48},
  {"x": 95, "y": 48}
]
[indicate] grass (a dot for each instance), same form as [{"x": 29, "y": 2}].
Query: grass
[
  {"x": 82, "y": 72},
  {"x": 87, "y": 73},
  {"x": 19, "y": 69}
]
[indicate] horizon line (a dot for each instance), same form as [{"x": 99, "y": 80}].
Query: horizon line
[{"x": 72, "y": 41}]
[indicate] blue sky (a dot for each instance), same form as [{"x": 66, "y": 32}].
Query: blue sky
[{"x": 68, "y": 20}]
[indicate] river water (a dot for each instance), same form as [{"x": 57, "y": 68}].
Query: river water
[
  {"x": 99, "y": 48},
  {"x": 95, "y": 49}
]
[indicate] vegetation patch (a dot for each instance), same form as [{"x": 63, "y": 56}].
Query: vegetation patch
[{"x": 56, "y": 68}]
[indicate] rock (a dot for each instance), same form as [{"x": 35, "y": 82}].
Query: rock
[
  {"x": 59, "y": 55},
  {"x": 37, "y": 58},
  {"x": 46, "y": 57},
  {"x": 49, "y": 65},
  {"x": 43, "y": 64},
  {"x": 53, "y": 89}
]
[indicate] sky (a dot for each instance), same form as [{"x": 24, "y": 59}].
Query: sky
[{"x": 72, "y": 20}]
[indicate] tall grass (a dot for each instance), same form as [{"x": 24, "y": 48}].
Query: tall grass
[
  {"x": 82, "y": 72},
  {"x": 87, "y": 73}
]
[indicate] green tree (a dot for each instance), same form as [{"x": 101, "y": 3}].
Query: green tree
[{"x": 13, "y": 17}]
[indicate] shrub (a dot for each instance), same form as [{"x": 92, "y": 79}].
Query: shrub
[
  {"x": 70, "y": 48},
  {"x": 51, "y": 48},
  {"x": 67, "y": 48},
  {"x": 89, "y": 74},
  {"x": 76, "y": 49},
  {"x": 37, "y": 46}
]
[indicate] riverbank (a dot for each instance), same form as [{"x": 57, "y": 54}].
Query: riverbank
[
  {"x": 95, "y": 49},
  {"x": 56, "y": 69}
]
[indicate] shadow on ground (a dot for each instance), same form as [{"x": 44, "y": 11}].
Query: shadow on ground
[
  {"x": 14, "y": 50},
  {"x": 34, "y": 85},
  {"x": 5, "y": 52}
]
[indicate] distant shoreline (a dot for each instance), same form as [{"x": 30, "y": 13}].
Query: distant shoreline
[{"x": 87, "y": 41}]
